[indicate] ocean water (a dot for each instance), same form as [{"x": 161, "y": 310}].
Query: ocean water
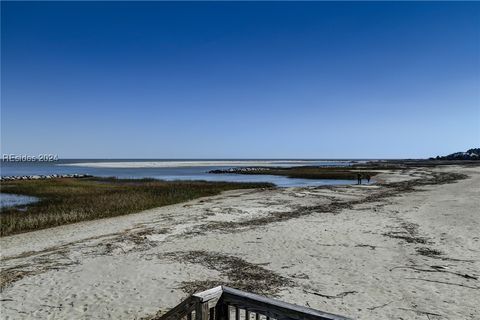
[{"x": 175, "y": 169}]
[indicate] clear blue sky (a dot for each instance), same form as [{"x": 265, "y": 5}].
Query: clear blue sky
[{"x": 240, "y": 80}]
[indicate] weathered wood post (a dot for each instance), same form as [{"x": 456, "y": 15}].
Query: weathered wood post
[
  {"x": 221, "y": 310},
  {"x": 201, "y": 311}
]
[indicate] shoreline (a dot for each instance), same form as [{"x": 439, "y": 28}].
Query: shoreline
[{"x": 352, "y": 236}]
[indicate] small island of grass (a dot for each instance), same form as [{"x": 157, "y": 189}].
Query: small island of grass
[{"x": 306, "y": 172}]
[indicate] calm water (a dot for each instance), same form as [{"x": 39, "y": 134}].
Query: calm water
[
  {"x": 171, "y": 169},
  {"x": 12, "y": 200}
]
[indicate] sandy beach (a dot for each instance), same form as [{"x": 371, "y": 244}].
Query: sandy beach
[{"x": 407, "y": 247}]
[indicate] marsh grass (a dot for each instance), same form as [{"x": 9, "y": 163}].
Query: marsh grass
[
  {"x": 340, "y": 173},
  {"x": 66, "y": 200}
]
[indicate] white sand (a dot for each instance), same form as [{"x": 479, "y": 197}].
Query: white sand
[{"x": 119, "y": 268}]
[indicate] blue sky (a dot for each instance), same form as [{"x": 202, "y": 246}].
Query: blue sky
[{"x": 240, "y": 80}]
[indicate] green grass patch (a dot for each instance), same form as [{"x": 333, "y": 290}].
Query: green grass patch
[{"x": 66, "y": 200}]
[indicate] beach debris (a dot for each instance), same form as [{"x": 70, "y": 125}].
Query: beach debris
[
  {"x": 136, "y": 240},
  {"x": 12, "y": 275},
  {"x": 419, "y": 312},
  {"x": 371, "y": 247},
  {"x": 445, "y": 282},
  {"x": 408, "y": 233},
  {"x": 425, "y": 251},
  {"x": 340, "y": 295},
  {"x": 442, "y": 269},
  {"x": 241, "y": 274},
  {"x": 436, "y": 254},
  {"x": 380, "y": 306}
]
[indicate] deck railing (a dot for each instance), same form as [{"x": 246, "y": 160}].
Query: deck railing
[{"x": 224, "y": 303}]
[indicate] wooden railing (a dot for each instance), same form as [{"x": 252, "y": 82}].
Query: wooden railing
[{"x": 224, "y": 303}]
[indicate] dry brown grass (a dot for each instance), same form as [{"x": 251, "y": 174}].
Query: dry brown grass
[
  {"x": 305, "y": 172},
  {"x": 67, "y": 200}
]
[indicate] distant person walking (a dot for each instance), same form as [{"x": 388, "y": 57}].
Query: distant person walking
[
  {"x": 359, "y": 178},
  {"x": 368, "y": 178}
]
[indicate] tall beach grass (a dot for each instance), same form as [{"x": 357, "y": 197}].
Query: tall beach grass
[{"x": 65, "y": 200}]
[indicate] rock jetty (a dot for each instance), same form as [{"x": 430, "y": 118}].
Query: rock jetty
[{"x": 42, "y": 177}]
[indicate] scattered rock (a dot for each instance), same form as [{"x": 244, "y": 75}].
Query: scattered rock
[
  {"x": 42, "y": 177},
  {"x": 239, "y": 170}
]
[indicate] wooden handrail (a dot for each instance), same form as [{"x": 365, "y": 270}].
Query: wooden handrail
[
  {"x": 182, "y": 310},
  {"x": 216, "y": 304},
  {"x": 273, "y": 308},
  {"x": 210, "y": 294}
]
